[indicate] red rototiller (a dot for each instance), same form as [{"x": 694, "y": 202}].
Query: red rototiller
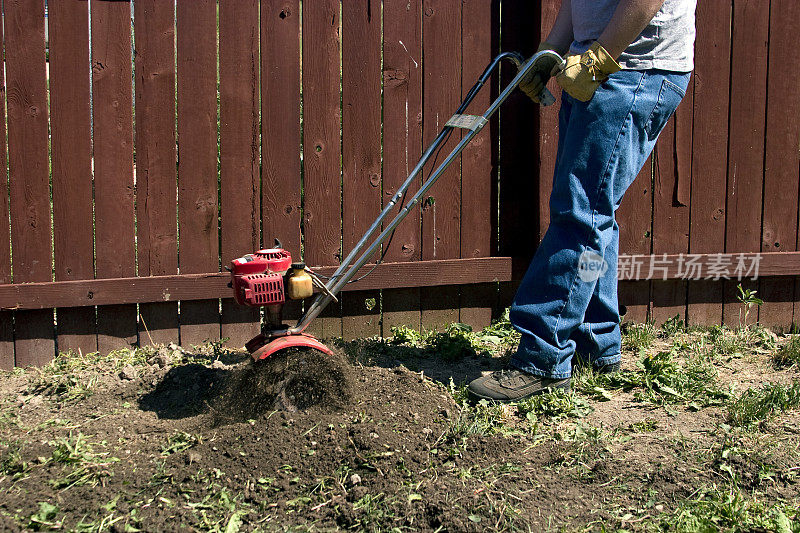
[{"x": 267, "y": 278}]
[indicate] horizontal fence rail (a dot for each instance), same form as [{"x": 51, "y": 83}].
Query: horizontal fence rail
[{"x": 146, "y": 144}]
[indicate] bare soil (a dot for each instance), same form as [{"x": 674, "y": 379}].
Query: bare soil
[{"x": 369, "y": 441}]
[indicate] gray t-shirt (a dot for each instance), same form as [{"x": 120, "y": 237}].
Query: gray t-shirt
[{"x": 667, "y": 43}]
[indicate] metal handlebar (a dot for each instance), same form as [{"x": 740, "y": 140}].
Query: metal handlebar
[{"x": 348, "y": 268}]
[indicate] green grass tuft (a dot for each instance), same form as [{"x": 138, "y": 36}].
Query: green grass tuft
[
  {"x": 729, "y": 509},
  {"x": 788, "y": 355},
  {"x": 638, "y": 337},
  {"x": 762, "y": 404}
]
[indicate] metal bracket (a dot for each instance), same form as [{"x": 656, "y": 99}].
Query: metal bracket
[{"x": 467, "y": 122}]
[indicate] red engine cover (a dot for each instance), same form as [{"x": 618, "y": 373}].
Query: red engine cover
[{"x": 257, "y": 278}]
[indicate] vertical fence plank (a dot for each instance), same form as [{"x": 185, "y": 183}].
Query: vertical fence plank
[
  {"x": 671, "y": 183},
  {"x": 6, "y": 317},
  {"x": 280, "y": 129},
  {"x": 746, "y": 140},
  {"x": 710, "y": 148},
  {"x": 197, "y": 160},
  {"x": 156, "y": 174},
  {"x": 478, "y": 173},
  {"x": 782, "y": 161},
  {"x": 239, "y": 129},
  {"x": 322, "y": 147},
  {"x": 30, "y": 179},
  {"x": 361, "y": 150},
  {"x": 112, "y": 108},
  {"x": 519, "y": 138},
  {"x": 72, "y": 165},
  {"x": 548, "y": 130},
  {"x": 441, "y": 215},
  {"x": 402, "y": 144},
  {"x": 635, "y": 220}
]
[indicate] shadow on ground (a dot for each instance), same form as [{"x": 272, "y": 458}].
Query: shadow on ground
[{"x": 462, "y": 365}]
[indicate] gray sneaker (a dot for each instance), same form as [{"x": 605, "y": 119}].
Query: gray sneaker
[{"x": 512, "y": 385}]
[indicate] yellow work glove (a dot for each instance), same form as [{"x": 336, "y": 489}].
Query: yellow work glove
[
  {"x": 583, "y": 74},
  {"x": 538, "y": 76}
]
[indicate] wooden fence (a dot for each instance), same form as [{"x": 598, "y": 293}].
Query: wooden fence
[{"x": 150, "y": 143}]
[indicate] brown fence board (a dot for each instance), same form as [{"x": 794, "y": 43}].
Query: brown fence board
[
  {"x": 402, "y": 144},
  {"x": 361, "y": 150},
  {"x": 71, "y": 165},
  {"x": 280, "y": 123},
  {"x": 156, "y": 175},
  {"x": 782, "y": 160},
  {"x": 239, "y": 130},
  {"x": 112, "y": 108},
  {"x": 281, "y": 184},
  {"x": 671, "y": 185},
  {"x": 6, "y": 317},
  {"x": 441, "y": 216},
  {"x": 709, "y": 157},
  {"x": 478, "y": 173},
  {"x": 746, "y": 139},
  {"x": 322, "y": 147},
  {"x": 28, "y": 160},
  {"x": 197, "y": 159},
  {"x": 635, "y": 219},
  {"x": 548, "y": 131}
]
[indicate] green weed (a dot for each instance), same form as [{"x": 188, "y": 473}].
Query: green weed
[
  {"x": 375, "y": 511},
  {"x": 749, "y": 300},
  {"x": 454, "y": 343},
  {"x": 660, "y": 379},
  {"x": 788, "y": 355},
  {"x": 219, "y": 510},
  {"x": 45, "y": 517},
  {"x": 553, "y": 406},
  {"x": 482, "y": 419},
  {"x": 729, "y": 509},
  {"x": 180, "y": 441},
  {"x": 11, "y": 462},
  {"x": 82, "y": 465},
  {"x": 762, "y": 404},
  {"x": 672, "y": 326},
  {"x": 638, "y": 337}
]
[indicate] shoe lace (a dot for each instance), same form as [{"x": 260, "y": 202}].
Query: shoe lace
[{"x": 504, "y": 375}]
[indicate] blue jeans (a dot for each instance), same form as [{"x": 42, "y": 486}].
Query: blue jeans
[{"x": 567, "y": 301}]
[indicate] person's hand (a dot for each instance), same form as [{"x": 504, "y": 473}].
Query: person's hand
[
  {"x": 583, "y": 74},
  {"x": 538, "y": 76}
]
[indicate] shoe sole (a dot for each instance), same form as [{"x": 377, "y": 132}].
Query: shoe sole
[{"x": 565, "y": 386}]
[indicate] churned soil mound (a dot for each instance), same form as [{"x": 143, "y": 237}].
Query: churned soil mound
[
  {"x": 291, "y": 380},
  {"x": 180, "y": 441}
]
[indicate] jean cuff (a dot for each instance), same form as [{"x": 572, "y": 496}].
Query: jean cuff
[
  {"x": 607, "y": 360},
  {"x": 528, "y": 367}
]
